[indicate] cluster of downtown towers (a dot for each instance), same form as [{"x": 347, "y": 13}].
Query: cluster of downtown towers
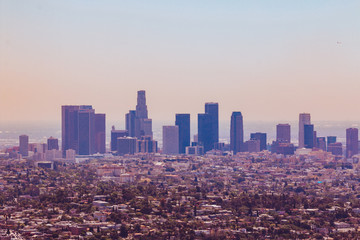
[{"x": 84, "y": 131}]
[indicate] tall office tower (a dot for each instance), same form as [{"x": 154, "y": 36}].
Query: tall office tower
[
  {"x": 304, "y": 118},
  {"x": 352, "y": 139},
  {"x": 79, "y": 129},
  {"x": 24, "y": 145},
  {"x": 213, "y": 110},
  {"x": 262, "y": 139},
  {"x": 183, "y": 122},
  {"x": 126, "y": 145},
  {"x": 52, "y": 143},
  {"x": 141, "y": 108},
  {"x": 115, "y": 134},
  {"x": 137, "y": 122},
  {"x": 69, "y": 128},
  {"x": 205, "y": 137},
  {"x": 146, "y": 126},
  {"x": 130, "y": 122},
  {"x": 283, "y": 133},
  {"x": 86, "y": 131},
  {"x": 171, "y": 139},
  {"x": 100, "y": 133},
  {"x": 315, "y": 139},
  {"x": 321, "y": 143},
  {"x": 331, "y": 139},
  {"x": 236, "y": 132},
  {"x": 308, "y": 136}
]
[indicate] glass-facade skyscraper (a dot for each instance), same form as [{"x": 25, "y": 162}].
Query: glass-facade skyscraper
[
  {"x": 82, "y": 130},
  {"x": 304, "y": 118},
  {"x": 236, "y": 132},
  {"x": 183, "y": 122},
  {"x": 309, "y": 136},
  {"x": 213, "y": 110},
  {"x": 352, "y": 141},
  {"x": 205, "y": 129}
]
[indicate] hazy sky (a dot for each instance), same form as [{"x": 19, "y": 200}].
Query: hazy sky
[{"x": 268, "y": 59}]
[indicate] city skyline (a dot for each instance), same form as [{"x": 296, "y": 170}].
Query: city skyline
[{"x": 299, "y": 56}]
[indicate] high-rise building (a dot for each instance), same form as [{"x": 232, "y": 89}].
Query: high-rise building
[
  {"x": 86, "y": 126},
  {"x": 141, "y": 107},
  {"x": 52, "y": 143},
  {"x": 82, "y": 131},
  {"x": 236, "y": 132},
  {"x": 331, "y": 139},
  {"x": 100, "y": 133},
  {"x": 304, "y": 118},
  {"x": 213, "y": 110},
  {"x": 262, "y": 139},
  {"x": 283, "y": 133},
  {"x": 205, "y": 130},
  {"x": 352, "y": 139},
  {"x": 130, "y": 119},
  {"x": 146, "y": 125},
  {"x": 183, "y": 122},
  {"x": 321, "y": 143},
  {"x": 171, "y": 139},
  {"x": 308, "y": 136},
  {"x": 115, "y": 134},
  {"x": 126, "y": 145},
  {"x": 70, "y": 128},
  {"x": 137, "y": 122},
  {"x": 24, "y": 145}
]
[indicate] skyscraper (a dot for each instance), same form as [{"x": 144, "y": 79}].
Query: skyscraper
[
  {"x": 261, "y": 137},
  {"x": 115, "y": 134},
  {"x": 70, "y": 128},
  {"x": 321, "y": 143},
  {"x": 183, "y": 122},
  {"x": 205, "y": 131},
  {"x": 130, "y": 119},
  {"x": 213, "y": 110},
  {"x": 100, "y": 133},
  {"x": 171, "y": 139},
  {"x": 52, "y": 143},
  {"x": 82, "y": 130},
  {"x": 141, "y": 107},
  {"x": 24, "y": 145},
  {"x": 352, "y": 139},
  {"x": 236, "y": 132},
  {"x": 283, "y": 133},
  {"x": 304, "y": 118},
  {"x": 126, "y": 145},
  {"x": 86, "y": 126},
  {"x": 137, "y": 122},
  {"x": 308, "y": 136},
  {"x": 331, "y": 139}
]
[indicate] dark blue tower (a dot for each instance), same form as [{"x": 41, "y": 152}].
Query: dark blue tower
[
  {"x": 183, "y": 121},
  {"x": 205, "y": 130}
]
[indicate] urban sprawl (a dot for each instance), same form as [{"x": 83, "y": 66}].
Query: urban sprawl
[{"x": 200, "y": 189}]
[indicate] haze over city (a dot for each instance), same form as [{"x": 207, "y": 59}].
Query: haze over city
[{"x": 270, "y": 60}]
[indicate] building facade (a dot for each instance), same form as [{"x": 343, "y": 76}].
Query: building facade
[
  {"x": 236, "y": 132},
  {"x": 183, "y": 122}
]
